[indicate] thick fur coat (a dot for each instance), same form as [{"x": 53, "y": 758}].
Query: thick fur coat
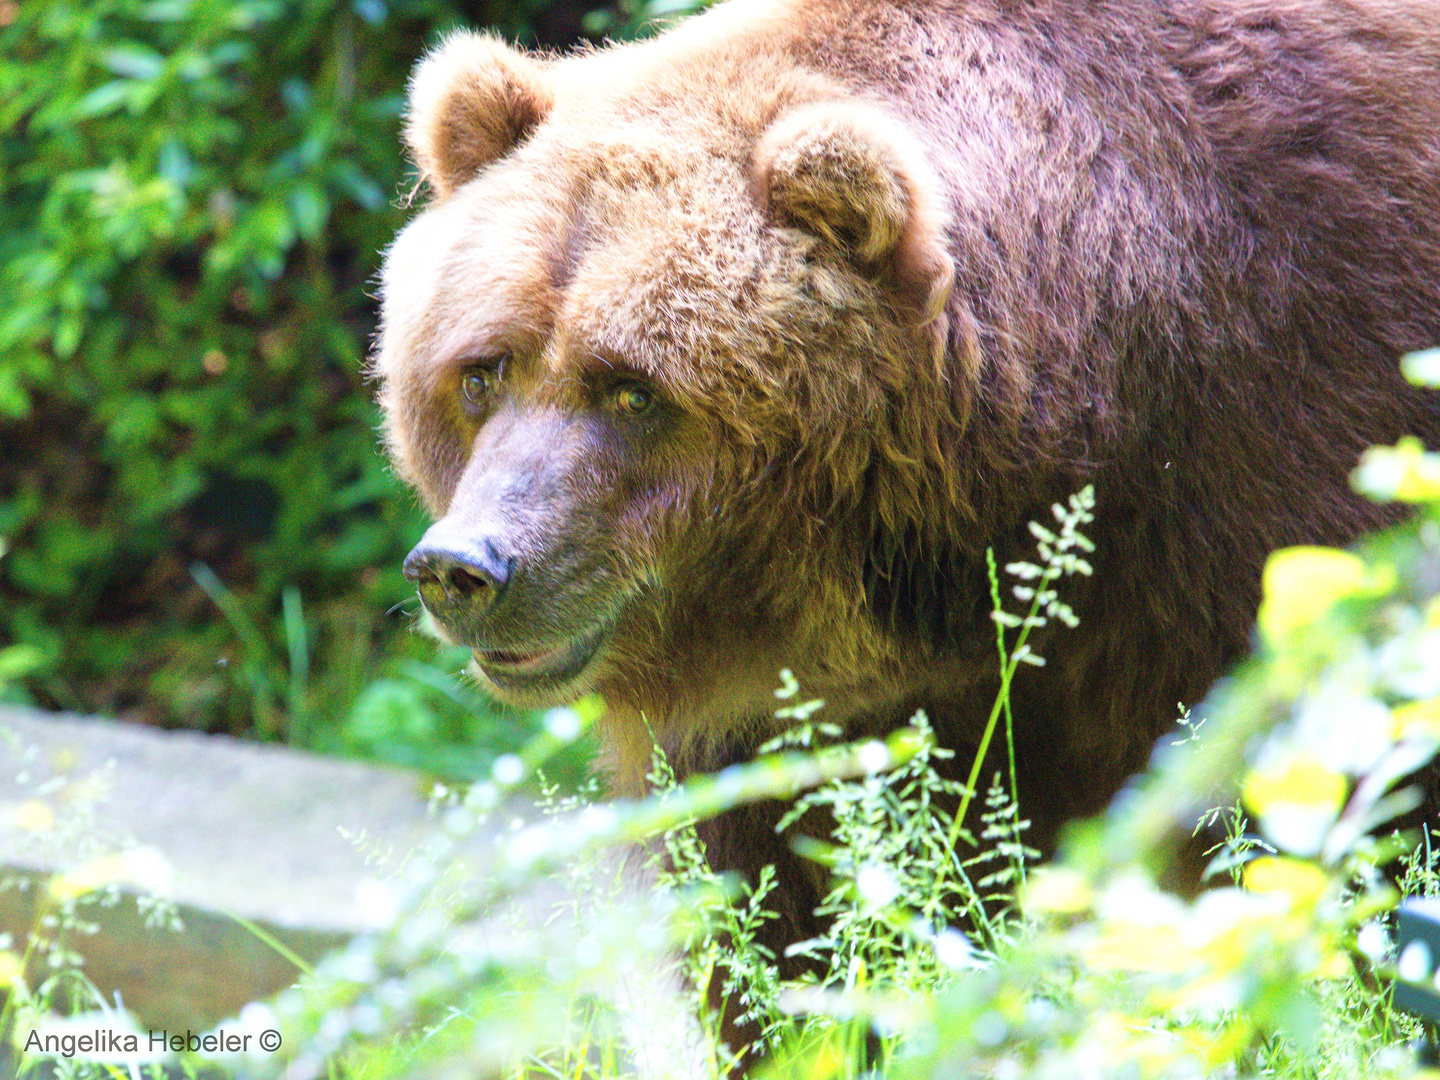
[{"x": 735, "y": 349}]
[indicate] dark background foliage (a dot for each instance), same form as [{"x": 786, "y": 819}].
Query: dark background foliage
[{"x": 198, "y": 528}]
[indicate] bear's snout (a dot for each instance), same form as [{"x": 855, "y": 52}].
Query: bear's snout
[
  {"x": 459, "y": 578},
  {"x": 533, "y": 635}
]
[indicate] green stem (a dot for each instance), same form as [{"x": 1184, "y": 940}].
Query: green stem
[
  {"x": 1002, "y": 699},
  {"x": 269, "y": 939},
  {"x": 1008, "y": 666},
  {"x": 297, "y": 640}
]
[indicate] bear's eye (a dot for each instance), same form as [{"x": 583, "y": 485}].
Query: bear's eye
[
  {"x": 634, "y": 400},
  {"x": 478, "y": 381}
]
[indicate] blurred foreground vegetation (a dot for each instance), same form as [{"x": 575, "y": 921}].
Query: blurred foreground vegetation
[{"x": 196, "y": 526}]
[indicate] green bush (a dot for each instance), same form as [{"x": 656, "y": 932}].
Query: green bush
[
  {"x": 191, "y": 198},
  {"x": 193, "y": 195}
]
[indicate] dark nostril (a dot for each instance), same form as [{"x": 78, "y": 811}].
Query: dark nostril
[
  {"x": 462, "y": 582},
  {"x": 473, "y": 574}
]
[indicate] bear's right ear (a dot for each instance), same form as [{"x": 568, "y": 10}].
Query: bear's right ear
[
  {"x": 471, "y": 100},
  {"x": 851, "y": 174}
]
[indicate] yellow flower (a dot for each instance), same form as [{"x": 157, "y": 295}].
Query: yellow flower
[
  {"x": 32, "y": 815},
  {"x": 1057, "y": 889},
  {"x": 1301, "y": 781},
  {"x": 1417, "y": 718},
  {"x": 12, "y": 970},
  {"x": 1125, "y": 946},
  {"x": 142, "y": 867},
  {"x": 1296, "y": 802},
  {"x": 1336, "y": 964},
  {"x": 95, "y": 874},
  {"x": 1303, "y": 882},
  {"x": 1302, "y": 583},
  {"x": 1405, "y": 472}
]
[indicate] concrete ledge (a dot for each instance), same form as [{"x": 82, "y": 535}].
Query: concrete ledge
[{"x": 249, "y": 830}]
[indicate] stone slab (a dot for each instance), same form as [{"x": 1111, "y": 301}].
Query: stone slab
[{"x": 248, "y": 830}]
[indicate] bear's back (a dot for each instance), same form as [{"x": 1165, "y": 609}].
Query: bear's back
[{"x": 1192, "y": 238}]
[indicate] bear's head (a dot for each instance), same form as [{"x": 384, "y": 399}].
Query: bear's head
[{"x": 663, "y": 356}]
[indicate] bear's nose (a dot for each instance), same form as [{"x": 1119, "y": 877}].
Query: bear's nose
[{"x": 457, "y": 576}]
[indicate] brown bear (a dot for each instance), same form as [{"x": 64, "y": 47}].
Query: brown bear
[{"x": 736, "y": 348}]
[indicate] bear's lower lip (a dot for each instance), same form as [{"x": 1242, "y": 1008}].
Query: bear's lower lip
[{"x": 543, "y": 668}]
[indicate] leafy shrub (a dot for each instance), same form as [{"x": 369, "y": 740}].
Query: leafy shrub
[
  {"x": 192, "y": 193},
  {"x": 192, "y": 197}
]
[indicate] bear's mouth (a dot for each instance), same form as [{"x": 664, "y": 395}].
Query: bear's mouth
[{"x": 547, "y": 667}]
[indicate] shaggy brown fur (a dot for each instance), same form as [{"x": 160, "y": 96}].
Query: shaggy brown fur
[{"x": 735, "y": 349}]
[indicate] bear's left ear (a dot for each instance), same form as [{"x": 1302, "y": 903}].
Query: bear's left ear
[
  {"x": 471, "y": 100},
  {"x": 852, "y": 175}
]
